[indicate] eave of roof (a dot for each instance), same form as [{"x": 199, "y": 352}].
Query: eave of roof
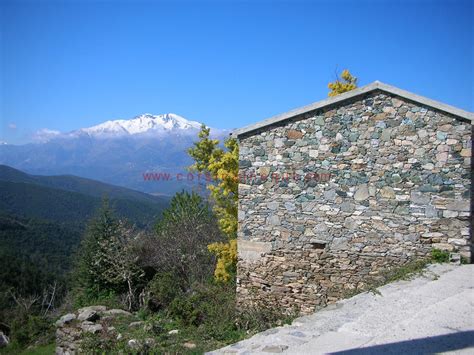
[{"x": 376, "y": 85}]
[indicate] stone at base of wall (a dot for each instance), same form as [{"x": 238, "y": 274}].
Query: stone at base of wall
[{"x": 300, "y": 282}]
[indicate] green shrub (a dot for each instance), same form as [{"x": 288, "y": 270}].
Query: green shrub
[
  {"x": 100, "y": 344},
  {"x": 205, "y": 303},
  {"x": 179, "y": 244},
  {"x": 186, "y": 310},
  {"x": 31, "y": 328},
  {"x": 211, "y": 309},
  {"x": 439, "y": 256},
  {"x": 162, "y": 289}
]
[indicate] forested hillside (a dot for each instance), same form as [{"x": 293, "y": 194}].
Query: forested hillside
[
  {"x": 77, "y": 184},
  {"x": 34, "y": 253},
  {"x": 71, "y": 199},
  {"x": 41, "y": 225}
]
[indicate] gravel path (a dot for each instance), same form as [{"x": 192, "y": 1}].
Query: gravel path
[{"x": 431, "y": 313}]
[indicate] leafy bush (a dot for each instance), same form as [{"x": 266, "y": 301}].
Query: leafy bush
[
  {"x": 162, "y": 290},
  {"x": 207, "y": 302},
  {"x": 211, "y": 309},
  {"x": 186, "y": 310},
  {"x": 179, "y": 245},
  {"x": 31, "y": 328}
]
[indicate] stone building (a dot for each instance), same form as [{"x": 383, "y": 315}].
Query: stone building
[{"x": 334, "y": 193}]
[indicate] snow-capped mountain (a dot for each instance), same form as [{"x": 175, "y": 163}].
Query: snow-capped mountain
[
  {"x": 146, "y": 123},
  {"x": 117, "y": 152}
]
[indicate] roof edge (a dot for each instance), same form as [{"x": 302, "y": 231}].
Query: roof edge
[{"x": 376, "y": 85}]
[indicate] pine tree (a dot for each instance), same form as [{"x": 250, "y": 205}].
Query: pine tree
[
  {"x": 89, "y": 267},
  {"x": 106, "y": 264}
]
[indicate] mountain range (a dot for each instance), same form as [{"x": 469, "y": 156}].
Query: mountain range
[{"x": 117, "y": 152}]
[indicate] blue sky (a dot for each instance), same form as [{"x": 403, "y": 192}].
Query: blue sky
[{"x": 72, "y": 64}]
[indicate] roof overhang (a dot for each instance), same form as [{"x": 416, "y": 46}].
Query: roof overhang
[{"x": 376, "y": 85}]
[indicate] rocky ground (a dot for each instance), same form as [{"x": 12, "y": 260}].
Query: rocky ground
[
  {"x": 93, "y": 320},
  {"x": 433, "y": 312},
  {"x": 97, "y": 329}
]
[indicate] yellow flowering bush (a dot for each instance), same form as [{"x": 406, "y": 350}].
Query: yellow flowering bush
[{"x": 222, "y": 164}]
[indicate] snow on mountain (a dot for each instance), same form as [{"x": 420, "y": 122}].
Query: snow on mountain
[
  {"x": 146, "y": 123},
  {"x": 143, "y": 124},
  {"x": 45, "y": 134}
]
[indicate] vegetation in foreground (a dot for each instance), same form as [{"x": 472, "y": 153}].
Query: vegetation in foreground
[{"x": 166, "y": 277}]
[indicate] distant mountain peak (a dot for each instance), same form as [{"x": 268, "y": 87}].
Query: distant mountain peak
[
  {"x": 45, "y": 134},
  {"x": 116, "y": 151},
  {"x": 145, "y": 123}
]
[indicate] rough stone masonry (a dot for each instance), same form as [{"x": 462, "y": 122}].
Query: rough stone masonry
[{"x": 334, "y": 193}]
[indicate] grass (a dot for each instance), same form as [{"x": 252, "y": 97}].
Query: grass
[
  {"x": 404, "y": 272},
  {"x": 439, "y": 256},
  {"x": 40, "y": 350},
  {"x": 206, "y": 319},
  {"x": 47, "y": 349},
  {"x": 157, "y": 329}
]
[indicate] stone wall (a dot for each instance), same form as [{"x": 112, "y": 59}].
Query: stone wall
[{"x": 330, "y": 199}]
